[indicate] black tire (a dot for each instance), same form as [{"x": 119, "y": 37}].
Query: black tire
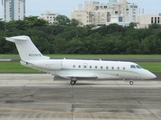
[
  {"x": 72, "y": 82},
  {"x": 131, "y": 82}
]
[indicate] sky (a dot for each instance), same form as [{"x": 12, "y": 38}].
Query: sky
[{"x": 37, "y": 7}]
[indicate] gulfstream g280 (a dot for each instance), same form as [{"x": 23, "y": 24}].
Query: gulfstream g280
[{"x": 75, "y": 70}]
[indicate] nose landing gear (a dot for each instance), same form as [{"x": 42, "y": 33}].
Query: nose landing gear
[{"x": 131, "y": 82}]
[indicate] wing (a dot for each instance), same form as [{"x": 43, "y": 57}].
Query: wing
[{"x": 77, "y": 76}]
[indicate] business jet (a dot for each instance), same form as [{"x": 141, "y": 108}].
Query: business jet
[{"x": 75, "y": 70}]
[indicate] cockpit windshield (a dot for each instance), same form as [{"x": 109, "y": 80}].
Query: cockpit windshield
[
  {"x": 139, "y": 67},
  {"x": 136, "y": 67}
]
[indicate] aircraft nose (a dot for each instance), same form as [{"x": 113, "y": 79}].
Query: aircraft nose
[
  {"x": 151, "y": 75},
  {"x": 147, "y": 75}
]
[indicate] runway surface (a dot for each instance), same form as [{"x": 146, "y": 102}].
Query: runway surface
[{"x": 38, "y": 97}]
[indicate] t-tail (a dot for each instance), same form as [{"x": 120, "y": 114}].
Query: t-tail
[{"x": 27, "y": 50}]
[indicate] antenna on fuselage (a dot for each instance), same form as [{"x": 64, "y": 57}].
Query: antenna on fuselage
[{"x": 100, "y": 59}]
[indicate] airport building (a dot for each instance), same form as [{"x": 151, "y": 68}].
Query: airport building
[
  {"x": 49, "y": 16},
  {"x": 147, "y": 19},
  {"x": 13, "y": 9},
  {"x": 112, "y": 12}
]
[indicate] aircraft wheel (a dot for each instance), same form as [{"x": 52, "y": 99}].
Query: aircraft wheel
[
  {"x": 72, "y": 82},
  {"x": 131, "y": 82}
]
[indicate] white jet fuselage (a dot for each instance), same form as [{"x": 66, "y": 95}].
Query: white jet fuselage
[{"x": 90, "y": 69}]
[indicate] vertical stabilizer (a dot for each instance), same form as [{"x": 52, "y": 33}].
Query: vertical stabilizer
[{"x": 27, "y": 50}]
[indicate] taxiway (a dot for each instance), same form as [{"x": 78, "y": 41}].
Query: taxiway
[{"x": 38, "y": 97}]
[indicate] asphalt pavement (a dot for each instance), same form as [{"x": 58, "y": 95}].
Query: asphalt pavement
[{"x": 38, "y": 97}]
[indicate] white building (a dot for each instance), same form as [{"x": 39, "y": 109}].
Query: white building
[
  {"x": 132, "y": 12},
  {"x": 147, "y": 19},
  {"x": 95, "y": 12},
  {"x": 92, "y": 13},
  {"x": 13, "y": 9},
  {"x": 49, "y": 16}
]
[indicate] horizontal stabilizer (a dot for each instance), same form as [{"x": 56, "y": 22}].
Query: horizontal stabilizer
[{"x": 17, "y": 38}]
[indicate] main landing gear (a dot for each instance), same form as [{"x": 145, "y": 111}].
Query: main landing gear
[
  {"x": 73, "y": 81},
  {"x": 131, "y": 82}
]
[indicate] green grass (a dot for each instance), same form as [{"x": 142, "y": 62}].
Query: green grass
[
  {"x": 9, "y": 56},
  {"x": 85, "y": 56},
  {"x": 16, "y": 67},
  {"x": 151, "y": 66}
]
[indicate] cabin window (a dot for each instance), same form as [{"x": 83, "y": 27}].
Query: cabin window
[
  {"x": 96, "y": 67},
  {"x": 79, "y": 66},
  {"x": 73, "y": 66},
  {"x": 101, "y": 67},
  {"x": 85, "y": 66},
  {"x": 123, "y": 68},
  {"x": 112, "y": 68},
  {"x": 46, "y": 64},
  {"x": 133, "y": 66},
  {"x": 107, "y": 67},
  {"x": 90, "y": 66},
  {"x": 118, "y": 68}
]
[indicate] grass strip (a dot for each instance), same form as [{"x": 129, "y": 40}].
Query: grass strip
[
  {"x": 151, "y": 66},
  {"x": 14, "y": 67}
]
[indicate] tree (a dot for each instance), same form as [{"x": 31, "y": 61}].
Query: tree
[
  {"x": 66, "y": 36},
  {"x": 35, "y": 21},
  {"x": 27, "y": 23},
  {"x": 2, "y": 25},
  {"x": 60, "y": 45},
  {"x": 131, "y": 25},
  {"x": 75, "y": 22},
  {"x": 75, "y": 46},
  {"x": 154, "y": 26},
  {"x": 62, "y": 20}
]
